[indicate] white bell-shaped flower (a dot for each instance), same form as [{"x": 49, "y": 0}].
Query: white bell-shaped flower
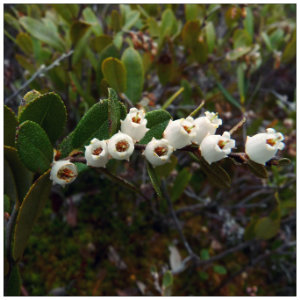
[
  {"x": 158, "y": 152},
  {"x": 216, "y": 147},
  {"x": 135, "y": 124},
  {"x": 120, "y": 146},
  {"x": 206, "y": 125},
  {"x": 180, "y": 133},
  {"x": 263, "y": 146},
  {"x": 96, "y": 153},
  {"x": 63, "y": 172}
]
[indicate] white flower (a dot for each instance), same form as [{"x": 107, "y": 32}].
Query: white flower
[
  {"x": 180, "y": 133},
  {"x": 135, "y": 124},
  {"x": 158, "y": 152},
  {"x": 120, "y": 146},
  {"x": 205, "y": 126},
  {"x": 216, "y": 147},
  {"x": 263, "y": 146},
  {"x": 96, "y": 153},
  {"x": 63, "y": 172}
]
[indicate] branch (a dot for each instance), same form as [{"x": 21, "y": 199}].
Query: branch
[{"x": 42, "y": 70}]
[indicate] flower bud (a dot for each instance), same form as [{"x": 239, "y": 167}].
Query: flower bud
[
  {"x": 158, "y": 152},
  {"x": 135, "y": 124},
  {"x": 180, "y": 133},
  {"x": 263, "y": 146},
  {"x": 120, "y": 146},
  {"x": 63, "y": 172},
  {"x": 206, "y": 126},
  {"x": 96, "y": 153},
  {"x": 216, "y": 147}
]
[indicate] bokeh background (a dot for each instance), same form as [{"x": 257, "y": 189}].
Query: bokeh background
[{"x": 97, "y": 238}]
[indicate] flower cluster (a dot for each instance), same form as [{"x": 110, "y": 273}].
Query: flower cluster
[{"x": 178, "y": 134}]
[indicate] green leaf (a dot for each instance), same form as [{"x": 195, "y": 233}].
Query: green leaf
[
  {"x": 210, "y": 36},
  {"x": 10, "y": 124},
  {"x": 24, "y": 41},
  {"x": 154, "y": 180},
  {"x": 69, "y": 12},
  {"x": 267, "y": 41},
  {"x": 29, "y": 96},
  {"x": 227, "y": 95},
  {"x": 241, "y": 81},
  {"x": 241, "y": 38},
  {"x": 220, "y": 269},
  {"x": 157, "y": 122},
  {"x": 266, "y": 228},
  {"x": 276, "y": 38},
  {"x": 98, "y": 43},
  {"x": 10, "y": 187},
  {"x": 237, "y": 53},
  {"x": 29, "y": 211},
  {"x": 91, "y": 18},
  {"x": 81, "y": 47},
  {"x": 7, "y": 204},
  {"x": 192, "y": 11},
  {"x": 114, "y": 113},
  {"x": 257, "y": 169},
  {"x": 249, "y": 22},
  {"x": 109, "y": 51},
  {"x": 22, "y": 178},
  {"x": 78, "y": 30},
  {"x": 215, "y": 173},
  {"x": 12, "y": 21},
  {"x": 92, "y": 125},
  {"x": 49, "y": 111},
  {"x": 180, "y": 183},
  {"x": 204, "y": 254},
  {"x": 115, "y": 73},
  {"x": 153, "y": 27},
  {"x": 135, "y": 74},
  {"x": 66, "y": 145},
  {"x": 167, "y": 279},
  {"x": 34, "y": 147},
  {"x": 43, "y": 33},
  {"x": 131, "y": 20},
  {"x": 14, "y": 282},
  {"x": 289, "y": 51},
  {"x": 168, "y": 24},
  {"x": 203, "y": 275},
  {"x": 165, "y": 169},
  {"x": 250, "y": 230},
  {"x": 116, "y": 21}
]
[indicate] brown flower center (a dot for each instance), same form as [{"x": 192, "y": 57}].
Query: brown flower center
[
  {"x": 271, "y": 142},
  {"x": 160, "y": 151},
  {"x": 122, "y": 146},
  {"x": 65, "y": 174},
  {"x": 222, "y": 144},
  {"x": 188, "y": 129},
  {"x": 136, "y": 119},
  {"x": 97, "y": 151}
]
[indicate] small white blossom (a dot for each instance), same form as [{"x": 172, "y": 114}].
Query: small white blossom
[
  {"x": 158, "y": 152},
  {"x": 216, "y": 147},
  {"x": 263, "y": 146},
  {"x": 206, "y": 126},
  {"x": 63, "y": 172},
  {"x": 135, "y": 124},
  {"x": 96, "y": 153},
  {"x": 120, "y": 146},
  {"x": 180, "y": 133}
]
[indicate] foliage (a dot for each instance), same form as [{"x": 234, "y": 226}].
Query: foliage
[{"x": 115, "y": 225}]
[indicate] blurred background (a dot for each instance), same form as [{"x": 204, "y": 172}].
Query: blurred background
[{"x": 97, "y": 238}]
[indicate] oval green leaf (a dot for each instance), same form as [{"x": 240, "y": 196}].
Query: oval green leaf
[
  {"x": 22, "y": 178},
  {"x": 115, "y": 73},
  {"x": 49, "y": 111},
  {"x": 157, "y": 121},
  {"x": 34, "y": 147},
  {"x": 135, "y": 74},
  {"x": 29, "y": 211},
  {"x": 10, "y": 124}
]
